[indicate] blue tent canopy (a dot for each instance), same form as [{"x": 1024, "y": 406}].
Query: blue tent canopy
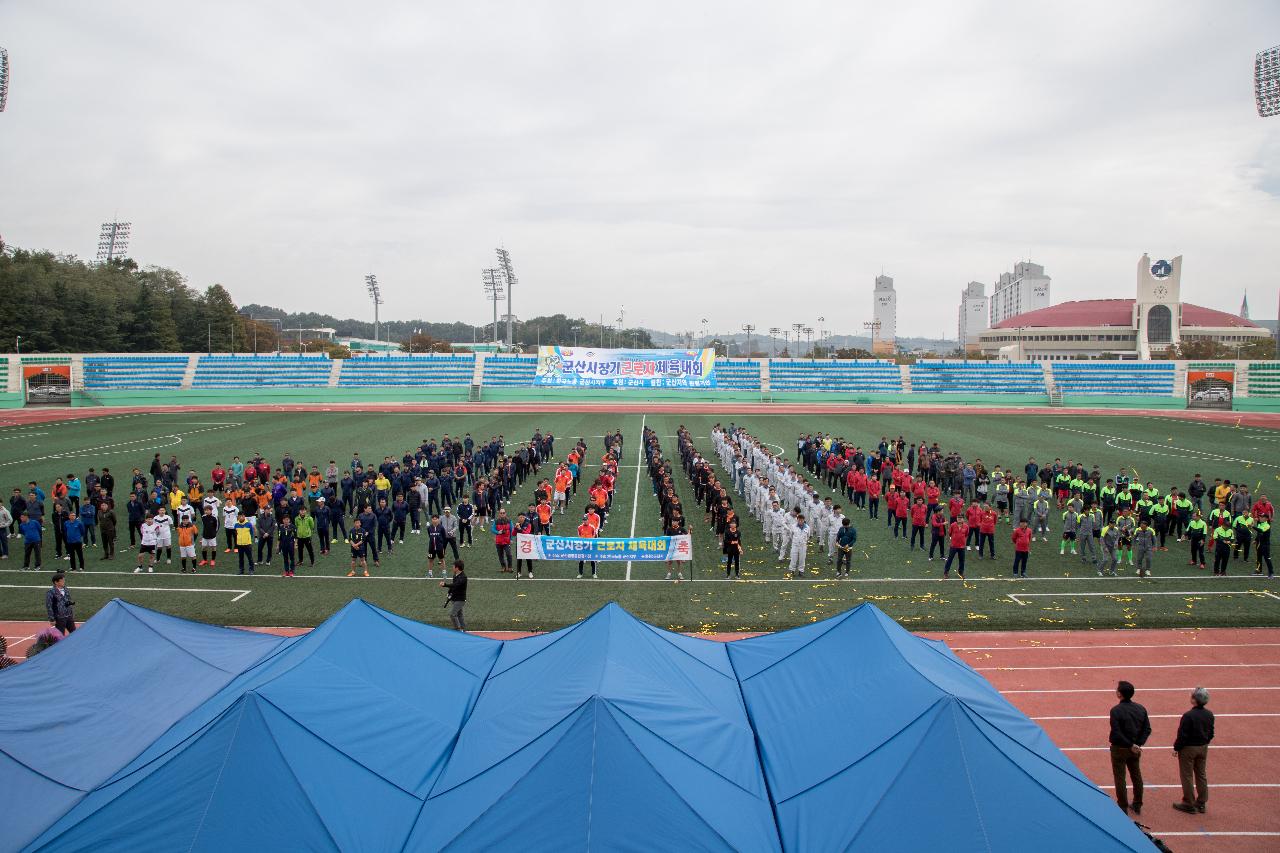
[{"x": 374, "y": 732}]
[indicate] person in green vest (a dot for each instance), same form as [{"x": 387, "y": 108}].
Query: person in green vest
[
  {"x": 1089, "y": 491},
  {"x": 1197, "y": 532},
  {"x": 1135, "y": 491},
  {"x": 1062, "y": 484},
  {"x": 1218, "y": 513},
  {"x": 1143, "y": 507},
  {"x": 1181, "y": 515},
  {"x": 306, "y": 528},
  {"x": 1243, "y": 524},
  {"x": 1222, "y": 539},
  {"x": 1160, "y": 520},
  {"x": 1107, "y": 496},
  {"x": 1152, "y": 493},
  {"x": 1125, "y": 527},
  {"x": 1070, "y": 523},
  {"x": 1262, "y": 546}
]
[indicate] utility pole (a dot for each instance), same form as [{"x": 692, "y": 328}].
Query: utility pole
[
  {"x": 748, "y": 328},
  {"x": 773, "y": 341}
]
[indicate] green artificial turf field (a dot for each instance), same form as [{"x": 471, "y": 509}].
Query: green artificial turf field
[{"x": 1062, "y": 593}]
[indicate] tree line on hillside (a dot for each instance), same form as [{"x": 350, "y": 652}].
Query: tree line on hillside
[{"x": 58, "y": 303}]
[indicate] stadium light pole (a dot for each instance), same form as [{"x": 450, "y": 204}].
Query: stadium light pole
[
  {"x": 797, "y": 328},
  {"x": 576, "y": 329},
  {"x": 704, "y": 327},
  {"x": 821, "y": 331},
  {"x": 492, "y": 278},
  {"x": 509, "y": 278},
  {"x": 17, "y": 344},
  {"x": 774, "y": 331},
  {"x": 1266, "y": 82},
  {"x": 113, "y": 240},
  {"x": 748, "y": 328},
  {"x": 4, "y": 78},
  {"x": 375, "y": 293}
]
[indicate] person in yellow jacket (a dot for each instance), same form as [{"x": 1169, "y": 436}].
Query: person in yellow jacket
[{"x": 244, "y": 542}]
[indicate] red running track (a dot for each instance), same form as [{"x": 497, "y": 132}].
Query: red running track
[
  {"x": 22, "y": 417},
  {"x": 1065, "y": 681}
]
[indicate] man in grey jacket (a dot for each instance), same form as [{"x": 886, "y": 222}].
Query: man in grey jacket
[
  {"x": 1144, "y": 542},
  {"x": 265, "y": 525},
  {"x": 1084, "y": 538},
  {"x": 449, "y": 522},
  {"x": 59, "y": 606}
]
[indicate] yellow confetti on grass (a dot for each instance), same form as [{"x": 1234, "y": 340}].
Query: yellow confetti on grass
[{"x": 979, "y": 616}]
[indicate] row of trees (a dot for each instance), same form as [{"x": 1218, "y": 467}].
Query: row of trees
[{"x": 55, "y": 303}]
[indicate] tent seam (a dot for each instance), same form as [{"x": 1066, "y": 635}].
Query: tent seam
[
  {"x": 755, "y": 737},
  {"x": 214, "y": 788},
  {"x": 968, "y": 777},
  {"x": 427, "y": 645},
  {"x": 747, "y": 641},
  {"x": 302, "y": 790},
  {"x": 444, "y": 764},
  {"x": 896, "y": 777}
]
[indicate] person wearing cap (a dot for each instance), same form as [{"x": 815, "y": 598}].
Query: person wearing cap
[{"x": 1195, "y": 731}]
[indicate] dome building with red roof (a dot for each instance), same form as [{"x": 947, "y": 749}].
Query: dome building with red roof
[{"x": 1118, "y": 328}]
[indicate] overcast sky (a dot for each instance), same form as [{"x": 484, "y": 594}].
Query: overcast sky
[{"x": 745, "y": 162}]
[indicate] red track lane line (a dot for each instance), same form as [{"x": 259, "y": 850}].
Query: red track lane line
[
  {"x": 1118, "y": 638},
  {"x": 1098, "y": 704},
  {"x": 31, "y": 416}
]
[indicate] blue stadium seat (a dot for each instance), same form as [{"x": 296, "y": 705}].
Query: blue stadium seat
[
  {"x": 144, "y": 372},
  {"x": 1115, "y": 378},
  {"x": 416, "y": 371},
  {"x": 970, "y": 377},
  {"x": 843, "y": 376},
  {"x": 257, "y": 371},
  {"x": 510, "y": 371},
  {"x": 739, "y": 375}
]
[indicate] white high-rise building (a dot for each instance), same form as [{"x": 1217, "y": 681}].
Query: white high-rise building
[
  {"x": 884, "y": 311},
  {"x": 1025, "y": 289},
  {"x": 973, "y": 316}
]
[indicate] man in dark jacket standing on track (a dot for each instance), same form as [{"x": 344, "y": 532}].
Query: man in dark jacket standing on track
[
  {"x": 1195, "y": 731},
  {"x": 457, "y": 600},
  {"x": 1130, "y": 728}
]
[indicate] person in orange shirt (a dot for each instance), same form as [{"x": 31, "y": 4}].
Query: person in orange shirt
[
  {"x": 593, "y": 519},
  {"x": 314, "y": 480},
  {"x": 544, "y": 518},
  {"x": 262, "y": 496},
  {"x": 600, "y": 500},
  {"x": 587, "y": 531},
  {"x": 564, "y": 479},
  {"x": 187, "y": 544}
]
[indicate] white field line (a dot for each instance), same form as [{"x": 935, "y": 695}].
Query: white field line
[
  {"x": 1156, "y": 716},
  {"x": 1110, "y": 648},
  {"x": 1112, "y": 690},
  {"x": 823, "y": 581},
  {"x": 1179, "y": 452},
  {"x": 1154, "y": 749},
  {"x": 241, "y": 592},
  {"x": 124, "y": 447},
  {"x": 1017, "y": 597},
  {"x": 635, "y": 494},
  {"x": 1126, "y": 666},
  {"x": 1215, "y": 834}
]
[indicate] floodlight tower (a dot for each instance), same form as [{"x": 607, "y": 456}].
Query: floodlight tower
[
  {"x": 748, "y": 328},
  {"x": 509, "y": 274},
  {"x": 1266, "y": 82},
  {"x": 493, "y": 282},
  {"x": 774, "y": 331},
  {"x": 4, "y": 78},
  {"x": 808, "y": 334},
  {"x": 113, "y": 240},
  {"x": 375, "y": 293}
]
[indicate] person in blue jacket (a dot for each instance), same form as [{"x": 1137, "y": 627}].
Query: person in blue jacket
[
  {"x": 73, "y": 532},
  {"x": 32, "y": 537},
  {"x": 89, "y": 517}
]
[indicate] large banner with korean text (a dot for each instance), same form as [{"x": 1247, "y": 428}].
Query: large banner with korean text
[
  {"x": 643, "y": 549},
  {"x": 588, "y": 367}
]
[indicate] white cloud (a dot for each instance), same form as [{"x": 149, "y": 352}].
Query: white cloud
[{"x": 745, "y": 162}]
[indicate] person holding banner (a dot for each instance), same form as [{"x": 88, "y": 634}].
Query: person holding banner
[
  {"x": 674, "y": 526},
  {"x": 587, "y": 530},
  {"x": 524, "y": 527}
]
